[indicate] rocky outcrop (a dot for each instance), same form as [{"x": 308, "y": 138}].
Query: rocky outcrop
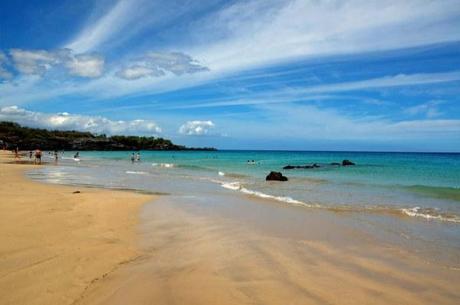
[
  {"x": 347, "y": 163},
  {"x": 276, "y": 176}
]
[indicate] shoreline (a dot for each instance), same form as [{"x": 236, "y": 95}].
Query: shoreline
[
  {"x": 231, "y": 251},
  {"x": 56, "y": 243}
]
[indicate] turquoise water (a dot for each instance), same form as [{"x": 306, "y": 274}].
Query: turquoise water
[{"x": 422, "y": 185}]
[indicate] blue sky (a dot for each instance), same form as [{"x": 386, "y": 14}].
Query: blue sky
[{"x": 300, "y": 75}]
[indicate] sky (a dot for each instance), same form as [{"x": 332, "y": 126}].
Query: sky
[{"x": 254, "y": 74}]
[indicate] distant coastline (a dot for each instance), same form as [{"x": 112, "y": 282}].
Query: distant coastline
[{"x": 13, "y": 135}]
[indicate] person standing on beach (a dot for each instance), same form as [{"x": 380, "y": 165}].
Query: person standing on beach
[
  {"x": 138, "y": 157},
  {"x": 30, "y": 154},
  {"x": 16, "y": 152},
  {"x": 56, "y": 156},
  {"x": 38, "y": 156}
]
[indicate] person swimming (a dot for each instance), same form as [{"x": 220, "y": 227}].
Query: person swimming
[{"x": 77, "y": 155}]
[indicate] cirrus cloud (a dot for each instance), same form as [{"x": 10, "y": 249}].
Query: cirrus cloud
[
  {"x": 160, "y": 63},
  {"x": 67, "y": 121}
]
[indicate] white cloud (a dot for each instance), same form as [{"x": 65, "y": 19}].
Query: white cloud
[
  {"x": 66, "y": 121},
  {"x": 35, "y": 62},
  {"x": 138, "y": 71},
  {"x": 85, "y": 65},
  {"x": 38, "y": 62},
  {"x": 5, "y": 74},
  {"x": 245, "y": 34},
  {"x": 261, "y": 32},
  {"x": 159, "y": 63},
  {"x": 196, "y": 128}
]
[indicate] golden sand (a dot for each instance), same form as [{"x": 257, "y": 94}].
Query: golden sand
[
  {"x": 54, "y": 244},
  {"x": 63, "y": 248}
]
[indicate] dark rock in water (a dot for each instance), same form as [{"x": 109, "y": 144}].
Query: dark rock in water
[
  {"x": 347, "y": 162},
  {"x": 301, "y": 166},
  {"x": 335, "y": 163},
  {"x": 277, "y": 176}
]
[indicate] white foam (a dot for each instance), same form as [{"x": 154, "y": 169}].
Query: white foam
[
  {"x": 167, "y": 165},
  {"x": 419, "y": 212},
  {"x": 236, "y": 186},
  {"x": 221, "y": 173},
  {"x": 136, "y": 173}
]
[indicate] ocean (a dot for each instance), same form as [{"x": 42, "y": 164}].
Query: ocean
[{"x": 414, "y": 195}]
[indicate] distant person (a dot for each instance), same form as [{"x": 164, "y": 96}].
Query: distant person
[
  {"x": 38, "y": 156},
  {"x": 16, "y": 152},
  {"x": 77, "y": 155},
  {"x": 133, "y": 158},
  {"x": 56, "y": 156},
  {"x": 31, "y": 153},
  {"x": 138, "y": 157}
]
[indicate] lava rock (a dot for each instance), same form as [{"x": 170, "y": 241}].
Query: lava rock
[
  {"x": 347, "y": 163},
  {"x": 301, "y": 166},
  {"x": 276, "y": 176}
]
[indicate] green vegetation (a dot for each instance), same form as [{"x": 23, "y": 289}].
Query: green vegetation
[{"x": 13, "y": 134}]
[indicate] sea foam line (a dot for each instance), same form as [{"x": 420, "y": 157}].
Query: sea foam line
[
  {"x": 412, "y": 212},
  {"x": 419, "y": 212},
  {"x": 166, "y": 165},
  {"x": 236, "y": 186},
  {"x": 136, "y": 173}
]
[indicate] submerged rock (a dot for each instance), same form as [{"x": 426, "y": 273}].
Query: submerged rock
[
  {"x": 301, "y": 166},
  {"x": 335, "y": 163},
  {"x": 347, "y": 163},
  {"x": 276, "y": 176}
]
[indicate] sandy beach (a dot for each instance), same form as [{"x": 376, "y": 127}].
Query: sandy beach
[
  {"x": 54, "y": 244},
  {"x": 108, "y": 247}
]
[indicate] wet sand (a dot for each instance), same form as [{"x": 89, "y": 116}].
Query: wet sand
[
  {"x": 183, "y": 253},
  {"x": 194, "y": 256},
  {"x": 55, "y": 244}
]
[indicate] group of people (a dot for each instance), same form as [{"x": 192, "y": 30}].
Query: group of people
[
  {"x": 135, "y": 157},
  {"x": 37, "y": 154}
]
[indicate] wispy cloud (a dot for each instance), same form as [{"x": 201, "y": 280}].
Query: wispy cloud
[
  {"x": 254, "y": 33},
  {"x": 320, "y": 92},
  {"x": 159, "y": 63},
  {"x": 114, "y": 22},
  {"x": 429, "y": 109},
  {"x": 67, "y": 121}
]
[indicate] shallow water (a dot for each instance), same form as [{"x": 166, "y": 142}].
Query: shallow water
[{"x": 403, "y": 198}]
